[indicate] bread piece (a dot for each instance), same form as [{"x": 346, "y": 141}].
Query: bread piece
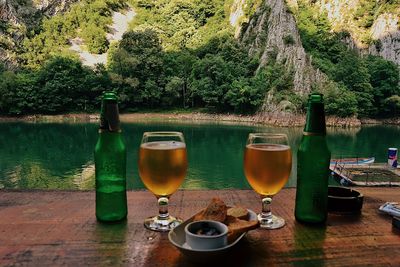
[
  {"x": 238, "y": 212},
  {"x": 236, "y": 227},
  {"x": 215, "y": 211}
]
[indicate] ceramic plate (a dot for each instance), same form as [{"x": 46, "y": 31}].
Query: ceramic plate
[{"x": 178, "y": 239}]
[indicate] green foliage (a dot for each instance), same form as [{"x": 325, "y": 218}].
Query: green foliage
[
  {"x": 370, "y": 79},
  {"x": 288, "y": 40},
  {"x": 369, "y": 10},
  {"x": 138, "y": 64},
  {"x": 246, "y": 95},
  {"x": 211, "y": 77},
  {"x": 87, "y": 19},
  {"x": 61, "y": 85},
  {"x": 378, "y": 45},
  {"x": 340, "y": 102},
  {"x": 353, "y": 73},
  {"x": 95, "y": 39},
  {"x": 278, "y": 77},
  {"x": 385, "y": 80},
  {"x": 391, "y": 105},
  {"x": 251, "y": 6},
  {"x": 218, "y": 75},
  {"x": 7, "y": 85},
  {"x": 182, "y": 53},
  {"x": 182, "y": 24}
]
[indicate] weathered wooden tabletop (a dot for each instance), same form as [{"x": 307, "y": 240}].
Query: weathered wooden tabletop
[{"x": 43, "y": 228}]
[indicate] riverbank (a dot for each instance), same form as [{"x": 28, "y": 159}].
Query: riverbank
[{"x": 281, "y": 119}]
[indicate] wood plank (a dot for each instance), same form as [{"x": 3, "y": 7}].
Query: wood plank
[{"x": 52, "y": 228}]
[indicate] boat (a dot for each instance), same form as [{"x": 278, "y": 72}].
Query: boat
[
  {"x": 362, "y": 172},
  {"x": 339, "y": 172},
  {"x": 353, "y": 161},
  {"x": 341, "y": 178}
]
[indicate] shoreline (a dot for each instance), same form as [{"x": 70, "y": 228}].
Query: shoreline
[{"x": 280, "y": 120}]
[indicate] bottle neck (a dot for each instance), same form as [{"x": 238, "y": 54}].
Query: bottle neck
[
  {"x": 315, "y": 121},
  {"x": 109, "y": 116}
]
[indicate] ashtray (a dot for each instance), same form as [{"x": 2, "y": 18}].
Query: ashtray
[{"x": 344, "y": 200}]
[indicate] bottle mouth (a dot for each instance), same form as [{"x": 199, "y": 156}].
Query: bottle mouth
[{"x": 316, "y": 98}]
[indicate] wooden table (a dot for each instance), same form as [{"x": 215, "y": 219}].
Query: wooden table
[{"x": 53, "y": 228}]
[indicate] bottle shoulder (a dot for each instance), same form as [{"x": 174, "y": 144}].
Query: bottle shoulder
[
  {"x": 110, "y": 142},
  {"x": 314, "y": 143}
]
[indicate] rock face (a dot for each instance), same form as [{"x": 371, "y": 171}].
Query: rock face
[
  {"x": 272, "y": 34},
  {"x": 17, "y": 17},
  {"x": 381, "y": 39},
  {"x": 386, "y": 31},
  {"x": 117, "y": 29},
  {"x": 25, "y": 12}
]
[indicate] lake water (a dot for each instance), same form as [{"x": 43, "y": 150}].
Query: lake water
[{"x": 60, "y": 155}]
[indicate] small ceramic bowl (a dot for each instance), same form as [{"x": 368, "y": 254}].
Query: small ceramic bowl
[{"x": 206, "y": 235}]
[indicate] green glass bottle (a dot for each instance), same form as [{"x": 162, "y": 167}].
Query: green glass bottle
[
  {"x": 110, "y": 164},
  {"x": 313, "y": 158}
]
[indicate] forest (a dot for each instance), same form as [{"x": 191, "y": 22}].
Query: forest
[{"x": 183, "y": 55}]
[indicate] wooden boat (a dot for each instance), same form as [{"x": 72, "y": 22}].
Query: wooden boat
[
  {"x": 338, "y": 168},
  {"x": 353, "y": 161},
  {"x": 364, "y": 173},
  {"x": 340, "y": 177}
]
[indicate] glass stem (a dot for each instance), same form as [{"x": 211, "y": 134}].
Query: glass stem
[
  {"x": 266, "y": 214},
  {"x": 163, "y": 208}
]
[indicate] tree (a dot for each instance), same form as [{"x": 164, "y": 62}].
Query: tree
[
  {"x": 95, "y": 39},
  {"x": 211, "y": 79},
  {"x": 353, "y": 73},
  {"x": 61, "y": 85},
  {"x": 391, "y": 105},
  {"x": 7, "y": 91},
  {"x": 340, "y": 102},
  {"x": 138, "y": 62},
  {"x": 177, "y": 68},
  {"x": 384, "y": 80},
  {"x": 173, "y": 88},
  {"x": 246, "y": 94}
]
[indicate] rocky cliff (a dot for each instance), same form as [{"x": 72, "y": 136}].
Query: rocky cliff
[
  {"x": 18, "y": 17},
  {"x": 374, "y": 26},
  {"x": 271, "y": 32},
  {"x": 28, "y": 12},
  {"x": 386, "y": 33}
]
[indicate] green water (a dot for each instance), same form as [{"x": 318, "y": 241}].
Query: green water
[{"x": 60, "y": 156}]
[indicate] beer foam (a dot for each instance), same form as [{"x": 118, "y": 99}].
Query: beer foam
[
  {"x": 163, "y": 145},
  {"x": 268, "y": 147}
]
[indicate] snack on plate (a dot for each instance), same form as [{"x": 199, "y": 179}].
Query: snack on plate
[
  {"x": 236, "y": 227},
  {"x": 236, "y": 218},
  {"x": 238, "y": 212},
  {"x": 215, "y": 211}
]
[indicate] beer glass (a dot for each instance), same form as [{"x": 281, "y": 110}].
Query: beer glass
[
  {"x": 162, "y": 168},
  {"x": 267, "y": 166}
]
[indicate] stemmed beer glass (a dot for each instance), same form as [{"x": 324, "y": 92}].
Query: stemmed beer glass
[
  {"x": 267, "y": 166},
  {"x": 162, "y": 168}
]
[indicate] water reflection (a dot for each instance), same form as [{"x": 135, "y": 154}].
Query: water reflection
[{"x": 60, "y": 155}]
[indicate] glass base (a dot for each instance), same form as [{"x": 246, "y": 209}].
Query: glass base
[
  {"x": 271, "y": 222},
  {"x": 162, "y": 225}
]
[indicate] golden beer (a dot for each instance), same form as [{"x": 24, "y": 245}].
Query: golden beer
[
  {"x": 267, "y": 167},
  {"x": 162, "y": 166}
]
